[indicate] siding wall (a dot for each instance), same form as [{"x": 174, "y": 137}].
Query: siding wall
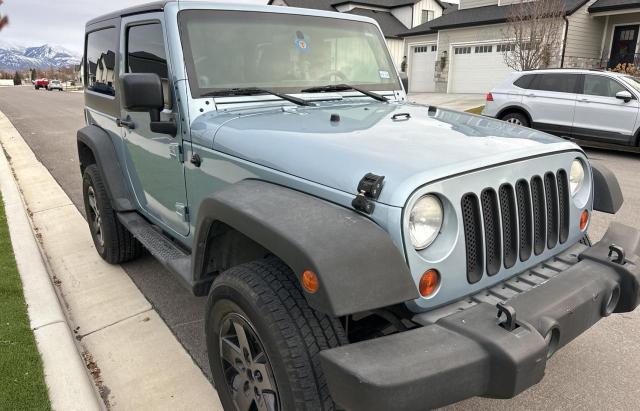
[
  {"x": 425, "y": 5},
  {"x": 468, "y": 4},
  {"x": 396, "y": 49},
  {"x": 585, "y": 34}
]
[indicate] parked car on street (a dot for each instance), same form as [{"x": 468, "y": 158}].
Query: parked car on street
[
  {"x": 358, "y": 251},
  {"x": 41, "y": 83},
  {"x": 589, "y": 105},
  {"x": 54, "y": 85}
]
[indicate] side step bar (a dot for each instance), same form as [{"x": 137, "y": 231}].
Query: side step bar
[{"x": 170, "y": 255}]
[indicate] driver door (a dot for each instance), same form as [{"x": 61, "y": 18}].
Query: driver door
[{"x": 153, "y": 160}]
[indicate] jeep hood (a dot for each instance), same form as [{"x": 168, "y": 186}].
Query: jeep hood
[{"x": 410, "y": 145}]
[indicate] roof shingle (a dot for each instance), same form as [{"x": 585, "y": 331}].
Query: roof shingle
[
  {"x": 607, "y": 5},
  {"x": 390, "y": 25}
]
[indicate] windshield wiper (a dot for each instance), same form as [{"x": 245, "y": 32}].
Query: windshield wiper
[
  {"x": 254, "y": 91},
  {"x": 344, "y": 87}
]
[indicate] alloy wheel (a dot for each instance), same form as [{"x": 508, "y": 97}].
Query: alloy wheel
[
  {"x": 94, "y": 216},
  {"x": 514, "y": 120},
  {"x": 247, "y": 370}
]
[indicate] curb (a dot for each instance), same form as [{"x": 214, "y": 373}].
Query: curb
[{"x": 69, "y": 385}]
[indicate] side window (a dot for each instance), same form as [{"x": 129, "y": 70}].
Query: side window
[
  {"x": 524, "y": 81},
  {"x": 101, "y": 61},
  {"x": 145, "y": 50},
  {"x": 601, "y": 86},
  {"x": 558, "y": 82}
]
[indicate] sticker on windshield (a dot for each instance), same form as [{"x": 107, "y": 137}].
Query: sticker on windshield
[
  {"x": 301, "y": 42},
  {"x": 302, "y": 45},
  {"x": 384, "y": 74}
]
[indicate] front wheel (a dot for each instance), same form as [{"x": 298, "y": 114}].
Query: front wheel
[
  {"x": 518, "y": 119},
  {"x": 264, "y": 340}
]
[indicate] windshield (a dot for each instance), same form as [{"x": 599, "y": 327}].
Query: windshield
[
  {"x": 282, "y": 52},
  {"x": 633, "y": 82}
]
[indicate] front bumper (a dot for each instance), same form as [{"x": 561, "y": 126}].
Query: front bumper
[{"x": 472, "y": 353}]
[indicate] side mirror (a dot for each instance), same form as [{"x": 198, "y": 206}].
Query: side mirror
[
  {"x": 143, "y": 92},
  {"x": 624, "y": 95}
]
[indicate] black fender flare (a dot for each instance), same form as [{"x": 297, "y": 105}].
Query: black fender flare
[
  {"x": 104, "y": 153},
  {"x": 607, "y": 195},
  {"x": 358, "y": 266}
]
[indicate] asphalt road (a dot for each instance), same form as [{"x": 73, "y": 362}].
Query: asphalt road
[{"x": 597, "y": 371}]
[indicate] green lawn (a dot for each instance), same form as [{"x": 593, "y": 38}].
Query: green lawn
[
  {"x": 476, "y": 110},
  {"x": 22, "y": 384}
]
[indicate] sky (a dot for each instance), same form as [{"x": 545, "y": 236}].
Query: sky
[{"x": 60, "y": 22}]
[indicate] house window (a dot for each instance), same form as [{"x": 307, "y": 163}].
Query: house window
[
  {"x": 420, "y": 49},
  {"x": 627, "y": 34},
  {"x": 434, "y": 48},
  {"x": 462, "y": 50},
  {"x": 427, "y": 15},
  {"x": 484, "y": 49}
]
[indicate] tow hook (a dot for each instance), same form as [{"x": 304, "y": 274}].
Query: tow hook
[
  {"x": 509, "y": 323},
  {"x": 619, "y": 254}
]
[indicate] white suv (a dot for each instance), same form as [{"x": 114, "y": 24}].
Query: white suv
[
  {"x": 54, "y": 85},
  {"x": 598, "y": 106}
]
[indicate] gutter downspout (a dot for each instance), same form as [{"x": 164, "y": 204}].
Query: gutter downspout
[{"x": 564, "y": 41}]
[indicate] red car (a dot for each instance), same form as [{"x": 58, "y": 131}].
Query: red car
[{"x": 41, "y": 83}]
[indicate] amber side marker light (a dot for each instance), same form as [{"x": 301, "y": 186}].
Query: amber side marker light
[
  {"x": 310, "y": 281},
  {"x": 584, "y": 220},
  {"x": 429, "y": 282}
]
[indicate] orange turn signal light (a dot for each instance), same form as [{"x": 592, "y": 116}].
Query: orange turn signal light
[
  {"x": 584, "y": 220},
  {"x": 429, "y": 282},
  {"x": 310, "y": 281}
]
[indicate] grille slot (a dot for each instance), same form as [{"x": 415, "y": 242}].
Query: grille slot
[
  {"x": 539, "y": 215},
  {"x": 492, "y": 241},
  {"x": 516, "y": 221},
  {"x": 472, "y": 237},
  {"x": 551, "y": 197},
  {"x": 563, "y": 206},
  {"x": 524, "y": 216},
  {"x": 509, "y": 225}
]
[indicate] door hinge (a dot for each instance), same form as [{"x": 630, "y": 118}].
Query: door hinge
[
  {"x": 175, "y": 151},
  {"x": 183, "y": 211}
]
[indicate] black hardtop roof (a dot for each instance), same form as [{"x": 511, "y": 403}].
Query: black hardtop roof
[{"x": 142, "y": 8}]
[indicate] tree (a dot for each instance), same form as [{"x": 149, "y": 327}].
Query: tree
[
  {"x": 533, "y": 33},
  {"x": 17, "y": 79},
  {"x": 4, "y": 20},
  {"x": 34, "y": 74}
]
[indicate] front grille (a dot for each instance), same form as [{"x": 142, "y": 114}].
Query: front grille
[{"x": 518, "y": 221}]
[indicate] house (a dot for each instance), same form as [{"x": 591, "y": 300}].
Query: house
[
  {"x": 462, "y": 51},
  {"x": 393, "y": 16}
]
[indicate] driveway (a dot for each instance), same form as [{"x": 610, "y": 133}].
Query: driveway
[{"x": 460, "y": 102}]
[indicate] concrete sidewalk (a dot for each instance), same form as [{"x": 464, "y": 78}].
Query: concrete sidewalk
[
  {"x": 460, "y": 102},
  {"x": 135, "y": 360}
]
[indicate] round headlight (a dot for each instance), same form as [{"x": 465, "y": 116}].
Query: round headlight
[
  {"x": 425, "y": 221},
  {"x": 576, "y": 177}
]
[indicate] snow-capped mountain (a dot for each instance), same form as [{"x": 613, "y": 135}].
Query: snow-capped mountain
[{"x": 15, "y": 56}]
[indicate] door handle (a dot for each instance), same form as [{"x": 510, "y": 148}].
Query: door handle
[
  {"x": 531, "y": 95},
  {"x": 585, "y": 100},
  {"x": 126, "y": 123}
]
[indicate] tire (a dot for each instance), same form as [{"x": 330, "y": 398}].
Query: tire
[
  {"x": 516, "y": 118},
  {"x": 265, "y": 298},
  {"x": 113, "y": 241}
]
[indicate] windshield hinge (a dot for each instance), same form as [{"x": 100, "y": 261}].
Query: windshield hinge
[
  {"x": 175, "y": 151},
  {"x": 183, "y": 211},
  {"x": 369, "y": 189}
]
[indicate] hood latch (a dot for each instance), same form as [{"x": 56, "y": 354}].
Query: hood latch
[{"x": 369, "y": 188}]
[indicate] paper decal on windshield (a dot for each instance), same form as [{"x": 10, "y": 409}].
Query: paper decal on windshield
[
  {"x": 302, "y": 46},
  {"x": 384, "y": 74},
  {"x": 301, "y": 42}
]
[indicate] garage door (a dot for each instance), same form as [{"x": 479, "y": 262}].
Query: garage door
[
  {"x": 477, "y": 68},
  {"x": 422, "y": 68}
]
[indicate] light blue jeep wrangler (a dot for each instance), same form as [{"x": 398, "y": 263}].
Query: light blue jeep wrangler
[{"x": 358, "y": 251}]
